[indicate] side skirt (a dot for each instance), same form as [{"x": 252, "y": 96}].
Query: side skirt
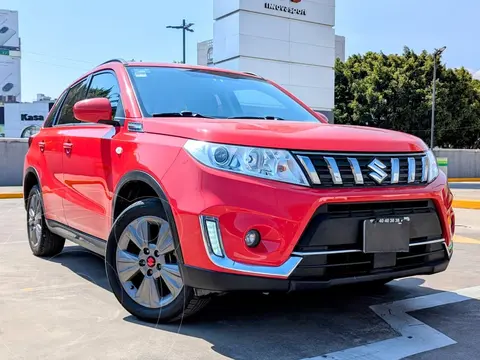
[{"x": 89, "y": 242}]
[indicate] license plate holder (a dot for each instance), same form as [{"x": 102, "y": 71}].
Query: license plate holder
[{"x": 386, "y": 235}]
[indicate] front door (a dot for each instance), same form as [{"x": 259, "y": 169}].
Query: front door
[
  {"x": 87, "y": 164},
  {"x": 86, "y": 171}
]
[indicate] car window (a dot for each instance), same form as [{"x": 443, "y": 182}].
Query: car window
[
  {"x": 75, "y": 94},
  {"x": 106, "y": 85},
  {"x": 255, "y": 102},
  {"x": 212, "y": 93},
  {"x": 54, "y": 110}
]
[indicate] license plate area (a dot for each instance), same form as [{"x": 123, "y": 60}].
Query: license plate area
[{"x": 386, "y": 235}]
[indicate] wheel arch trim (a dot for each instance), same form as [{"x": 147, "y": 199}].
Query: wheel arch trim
[
  {"x": 142, "y": 176},
  {"x": 28, "y": 171}
]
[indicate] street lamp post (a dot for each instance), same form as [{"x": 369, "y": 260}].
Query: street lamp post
[
  {"x": 185, "y": 27},
  {"x": 437, "y": 53}
]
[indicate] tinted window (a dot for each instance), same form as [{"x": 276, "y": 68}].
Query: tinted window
[
  {"x": 106, "y": 85},
  {"x": 53, "y": 111},
  {"x": 75, "y": 94},
  {"x": 212, "y": 93}
]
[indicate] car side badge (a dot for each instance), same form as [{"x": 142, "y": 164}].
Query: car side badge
[{"x": 135, "y": 126}]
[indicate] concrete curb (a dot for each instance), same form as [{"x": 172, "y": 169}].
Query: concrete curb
[
  {"x": 11, "y": 195},
  {"x": 461, "y": 204},
  {"x": 467, "y": 204}
]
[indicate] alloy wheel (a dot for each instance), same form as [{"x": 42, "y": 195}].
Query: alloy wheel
[
  {"x": 35, "y": 219},
  {"x": 146, "y": 263}
]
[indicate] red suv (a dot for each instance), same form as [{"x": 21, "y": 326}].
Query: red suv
[{"x": 194, "y": 181}]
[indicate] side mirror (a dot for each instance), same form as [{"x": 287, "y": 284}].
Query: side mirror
[{"x": 93, "y": 110}]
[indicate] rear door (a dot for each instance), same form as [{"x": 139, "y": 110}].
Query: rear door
[
  {"x": 47, "y": 155},
  {"x": 88, "y": 164}
]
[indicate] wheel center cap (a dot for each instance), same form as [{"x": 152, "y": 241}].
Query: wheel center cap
[{"x": 151, "y": 261}]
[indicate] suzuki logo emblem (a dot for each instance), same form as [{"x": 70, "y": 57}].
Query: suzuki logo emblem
[{"x": 378, "y": 174}]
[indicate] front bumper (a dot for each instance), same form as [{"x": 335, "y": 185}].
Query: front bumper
[
  {"x": 224, "y": 282},
  {"x": 284, "y": 215}
]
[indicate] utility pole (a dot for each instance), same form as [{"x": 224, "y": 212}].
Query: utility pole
[
  {"x": 437, "y": 53},
  {"x": 184, "y": 27}
]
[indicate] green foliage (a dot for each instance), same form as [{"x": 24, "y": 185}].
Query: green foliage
[{"x": 395, "y": 92}]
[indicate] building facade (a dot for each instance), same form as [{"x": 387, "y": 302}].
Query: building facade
[
  {"x": 10, "y": 58},
  {"x": 23, "y": 119},
  {"x": 291, "y": 42}
]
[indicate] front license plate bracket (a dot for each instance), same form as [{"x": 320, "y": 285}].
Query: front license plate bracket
[{"x": 386, "y": 235}]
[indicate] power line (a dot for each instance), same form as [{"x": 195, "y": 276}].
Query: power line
[
  {"x": 57, "y": 65},
  {"x": 58, "y": 57}
]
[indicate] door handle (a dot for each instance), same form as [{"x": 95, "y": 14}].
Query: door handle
[
  {"x": 41, "y": 145},
  {"x": 67, "y": 146}
]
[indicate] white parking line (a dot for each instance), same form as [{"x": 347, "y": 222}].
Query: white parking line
[{"x": 416, "y": 336}]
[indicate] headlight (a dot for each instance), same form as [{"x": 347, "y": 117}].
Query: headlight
[
  {"x": 270, "y": 164},
  {"x": 432, "y": 166}
]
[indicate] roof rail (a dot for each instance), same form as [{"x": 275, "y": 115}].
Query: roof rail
[
  {"x": 252, "y": 73},
  {"x": 114, "y": 60}
]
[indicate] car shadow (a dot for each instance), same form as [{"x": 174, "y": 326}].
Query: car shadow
[
  {"x": 84, "y": 263},
  {"x": 279, "y": 326},
  {"x": 293, "y": 326}
]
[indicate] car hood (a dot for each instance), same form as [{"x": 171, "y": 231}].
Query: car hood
[{"x": 292, "y": 135}]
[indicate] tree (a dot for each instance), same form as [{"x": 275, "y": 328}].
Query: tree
[{"x": 395, "y": 92}]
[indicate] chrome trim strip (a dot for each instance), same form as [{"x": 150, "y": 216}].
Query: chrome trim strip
[
  {"x": 282, "y": 271},
  {"x": 395, "y": 173},
  {"x": 333, "y": 169},
  {"x": 357, "y": 153},
  {"x": 428, "y": 242},
  {"x": 333, "y": 252},
  {"x": 310, "y": 169},
  {"x": 411, "y": 170},
  {"x": 356, "y": 171}
]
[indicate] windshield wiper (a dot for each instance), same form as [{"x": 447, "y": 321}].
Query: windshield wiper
[
  {"x": 180, "y": 114},
  {"x": 257, "y": 117}
]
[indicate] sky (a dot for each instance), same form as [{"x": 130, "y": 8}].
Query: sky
[{"x": 62, "y": 39}]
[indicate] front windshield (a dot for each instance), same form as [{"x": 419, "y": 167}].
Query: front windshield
[{"x": 163, "y": 90}]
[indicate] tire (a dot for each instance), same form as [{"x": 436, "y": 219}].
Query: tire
[
  {"x": 148, "y": 284},
  {"x": 42, "y": 241}
]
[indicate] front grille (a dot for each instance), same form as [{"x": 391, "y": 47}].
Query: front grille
[
  {"x": 339, "y": 226},
  {"x": 366, "y": 170},
  {"x": 332, "y": 242}
]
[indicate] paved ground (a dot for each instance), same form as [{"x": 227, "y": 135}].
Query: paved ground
[
  {"x": 466, "y": 191},
  {"x": 62, "y": 308},
  {"x": 11, "y": 189}
]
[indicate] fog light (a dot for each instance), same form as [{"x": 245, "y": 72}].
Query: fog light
[
  {"x": 213, "y": 234},
  {"x": 252, "y": 238}
]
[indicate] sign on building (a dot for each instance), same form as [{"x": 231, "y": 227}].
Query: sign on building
[{"x": 10, "y": 85}]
